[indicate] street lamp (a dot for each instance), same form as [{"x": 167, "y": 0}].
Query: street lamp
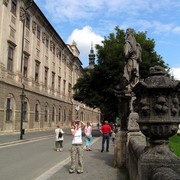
[{"x": 23, "y": 96}]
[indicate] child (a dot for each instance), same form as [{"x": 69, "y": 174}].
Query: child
[{"x": 113, "y": 135}]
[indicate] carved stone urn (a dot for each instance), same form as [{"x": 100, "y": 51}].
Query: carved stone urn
[{"x": 158, "y": 106}]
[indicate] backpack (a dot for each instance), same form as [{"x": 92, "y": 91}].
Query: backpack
[{"x": 60, "y": 134}]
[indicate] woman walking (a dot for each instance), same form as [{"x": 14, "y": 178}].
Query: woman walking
[{"x": 88, "y": 136}]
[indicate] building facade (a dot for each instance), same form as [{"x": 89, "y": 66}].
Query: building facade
[{"x": 37, "y": 72}]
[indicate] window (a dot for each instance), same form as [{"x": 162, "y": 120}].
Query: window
[
  {"x": 64, "y": 64},
  {"x": 9, "y": 109},
  {"x": 53, "y": 80},
  {"x": 38, "y": 32},
  {"x": 12, "y": 33},
  {"x": 70, "y": 74},
  {"x": 70, "y": 115},
  {"x": 53, "y": 114},
  {"x": 59, "y": 85},
  {"x": 69, "y": 89},
  {"x": 10, "y": 58},
  {"x": 64, "y": 87},
  {"x": 37, "y": 72},
  {"x": 25, "y": 66},
  {"x": 59, "y": 55},
  {"x": 64, "y": 115},
  {"x": 46, "y": 77},
  {"x": 59, "y": 115},
  {"x": 37, "y": 112},
  {"x": 27, "y": 21},
  {"x": 47, "y": 42},
  {"x": 46, "y": 113},
  {"x": 14, "y": 6},
  {"x": 53, "y": 49}
]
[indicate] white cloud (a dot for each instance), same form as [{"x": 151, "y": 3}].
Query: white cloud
[
  {"x": 77, "y": 9},
  {"x": 83, "y": 38},
  {"x": 158, "y": 18},
  {"x": 176, "y": 73}
]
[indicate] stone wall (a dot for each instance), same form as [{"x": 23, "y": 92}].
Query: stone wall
[{"x": 143, "y": 163}]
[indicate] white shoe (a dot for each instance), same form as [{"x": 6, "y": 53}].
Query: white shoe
[{"x": 60, "y": 150}]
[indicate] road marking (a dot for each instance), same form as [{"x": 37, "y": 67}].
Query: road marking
[
  {"x": 46, "y": 175},
  {"x": 15, "y": 143}
]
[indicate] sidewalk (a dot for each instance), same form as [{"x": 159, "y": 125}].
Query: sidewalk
[{"x": 97, "y": 165}]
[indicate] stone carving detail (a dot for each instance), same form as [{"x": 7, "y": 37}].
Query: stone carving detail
[
  {"x": 132, "y": 123},
  {"x": 164, "y": 173},
  {"x": 34, "y": 26},
  {"x": 174, "y": 106},
  {"x": 22, "y": 14},
  {"x": 5, "y": 2},
  {"x": 145, "y": 107},
  {"x": 160, "y": 105}
]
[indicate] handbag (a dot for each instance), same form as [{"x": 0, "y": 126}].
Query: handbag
[{"x": 60, "y": 134}]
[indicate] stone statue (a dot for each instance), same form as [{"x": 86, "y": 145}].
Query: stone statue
[{"x": 132, "y": 51}]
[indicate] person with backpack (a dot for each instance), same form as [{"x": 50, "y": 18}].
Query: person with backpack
[{"x": 59, "y": 138}]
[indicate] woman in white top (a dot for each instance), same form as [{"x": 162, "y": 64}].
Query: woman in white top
[
  {"x": 88, "y": 136},
  {"x": 59, "y": 138},
  {"x": 77, "y": 149}
]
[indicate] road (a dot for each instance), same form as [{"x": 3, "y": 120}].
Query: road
[
  {"x": 32, "y": 157},
  {"x": 28, "y": 160}
]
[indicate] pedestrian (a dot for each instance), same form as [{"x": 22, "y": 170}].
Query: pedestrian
[
  {"x": 88, "y": 136},
  {"x": 105, "y": 131},
  {"x": 77, "y": 148},
  {"x": 113, "y": 136},
  {"x": 59, "y": 138},
  {"x": 98, "y": 125}
]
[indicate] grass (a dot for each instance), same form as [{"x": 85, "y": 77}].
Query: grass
[{"x": 174, "y": 143}]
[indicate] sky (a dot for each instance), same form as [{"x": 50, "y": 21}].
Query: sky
[{"x": 87, "y": 22}]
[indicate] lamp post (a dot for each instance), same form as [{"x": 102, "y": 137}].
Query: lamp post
[{"x": 23, "y": 96}]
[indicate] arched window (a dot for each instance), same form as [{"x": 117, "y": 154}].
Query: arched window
[
  {"x": 59, "y": 115},
  {"x": 37, "y": 112},
  {"x": 46, "y": 113},
  {"x": 64, "y": 115},
  {"x": 9, "y": 109},
  {"x": 53, "y": 113},
  {"x": 70, "y": 115}
]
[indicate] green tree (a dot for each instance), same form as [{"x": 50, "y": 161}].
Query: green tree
[{"x": 96, "y": 88}]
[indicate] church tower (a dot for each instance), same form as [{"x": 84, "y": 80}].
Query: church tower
[{"x": 91, "y": 58}]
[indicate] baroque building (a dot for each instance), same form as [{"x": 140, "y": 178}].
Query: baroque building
[{"x": 37, "y": 72}]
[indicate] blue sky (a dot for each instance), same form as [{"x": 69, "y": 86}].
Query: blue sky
[{"x": 87, "y": 21}]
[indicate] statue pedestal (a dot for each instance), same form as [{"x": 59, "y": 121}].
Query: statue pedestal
[
  {"x": 120, "y": 149},
  {"x": 158, "y": 163}
]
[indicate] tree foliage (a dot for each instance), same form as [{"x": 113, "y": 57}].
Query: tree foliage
[{"x": 96, "y": 87}]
